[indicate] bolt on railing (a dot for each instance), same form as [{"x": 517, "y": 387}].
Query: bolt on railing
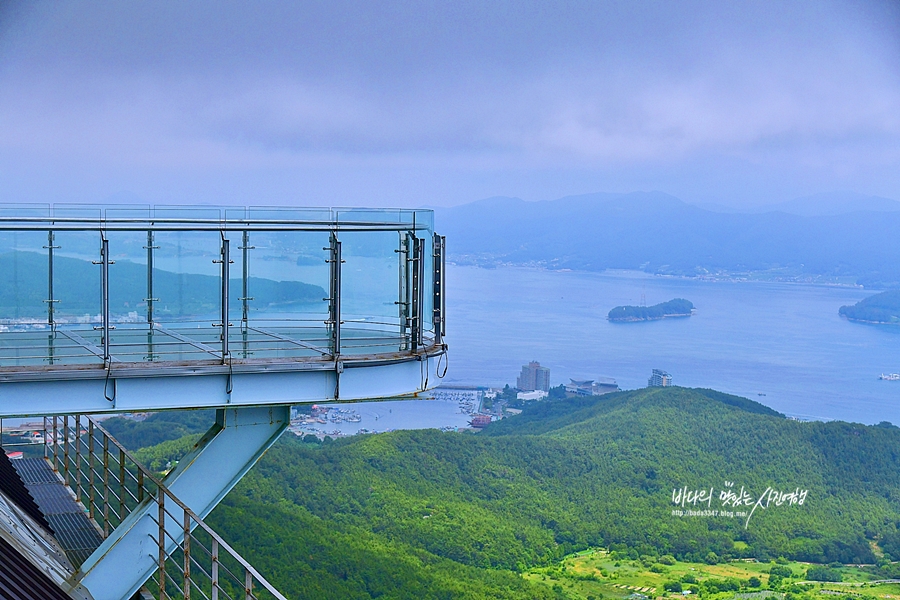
[{"x": 192, "y": 560}]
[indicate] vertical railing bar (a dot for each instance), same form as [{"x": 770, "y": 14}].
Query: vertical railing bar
[
  {"x": 161, "y": 502},
  {"x": 215, "y": 569},
  {"x": 121, "y": 485},
  {"x": 55, "y": 448},
  {"x": 77, "y": 458},
  {"x": 91, "y": 500},
  {"x": 66, "y": 449},
  {"x": 105, "y": 485},
  {"x": 140, "y": 485},
  {"x": 248, "y": 585},
  {"x": 187, "y": 556},
  {"x": 46, "y": 450}
]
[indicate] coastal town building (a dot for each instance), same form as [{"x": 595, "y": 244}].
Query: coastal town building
[
  {"x": 592, "y": 387},
  {"x": 533, "y": 377},
  {"x": 659, "y": 379},
  {"x": 533, "y": 395}
]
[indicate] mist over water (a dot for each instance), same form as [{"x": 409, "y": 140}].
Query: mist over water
[{"x": 782, "y": 340}]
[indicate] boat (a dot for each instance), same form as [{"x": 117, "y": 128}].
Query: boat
[
  {"x": 890, "y": 377},
  {"x": 760, "y": 394}
]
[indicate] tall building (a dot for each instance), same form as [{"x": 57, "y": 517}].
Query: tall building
[
  {"x": 659, "y": 379},
  {"x": 533, "y": 377}
]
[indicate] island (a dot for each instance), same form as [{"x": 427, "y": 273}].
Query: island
[
  {"x": 678, "y": 307},
  {"x": 880, "y": 308}
]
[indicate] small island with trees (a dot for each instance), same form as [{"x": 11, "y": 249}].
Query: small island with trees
[
  {"x": 679, "y": 307},
  {"x": 880, "y": 308}
]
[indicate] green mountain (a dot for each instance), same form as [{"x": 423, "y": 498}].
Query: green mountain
[
  {"x": 426, "y": 514},
  {"x": 880, "y": 308}
]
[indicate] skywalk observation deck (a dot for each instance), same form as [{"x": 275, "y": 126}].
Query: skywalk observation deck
[
  {"x": 126, "y": 308},
  {"x": 122, "y": 309}
]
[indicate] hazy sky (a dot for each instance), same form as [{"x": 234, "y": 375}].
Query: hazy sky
[{"x": 442, "y": 103}]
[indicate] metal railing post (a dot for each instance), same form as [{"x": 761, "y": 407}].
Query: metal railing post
[
  {"x": 51, "y": 321},
  {"x": 418, "y": 292},
  {"x": 403, "y": 292},
  {"x": 224, "y": 259},
  {"x": 66, "y": 449},
  {"x": 91, "y": 500},
  {"x": 77, "y": 458},
  {"x": 334, "y": 301},
  {"x": 104, "y": 305},
  {"x": 150, "y": 299},
  {"x": 215, "y": 569},
  {"x": 161, "y": 501},
  {"x": 187, "y": 556},
  {"x": 245, "y": 268},
  {"x": 105, "y": 486},
  {"x": 438, "y": 295},
  {"x": 55, "y": 447},
  {"x": 121, "y": 485}
]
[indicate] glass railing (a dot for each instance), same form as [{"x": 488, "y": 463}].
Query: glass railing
[{"x": 143, "y": 284}]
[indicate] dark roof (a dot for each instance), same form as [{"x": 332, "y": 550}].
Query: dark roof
[
  {"x": 21, "y": 580},
  {"x": 12, "y": 486}
]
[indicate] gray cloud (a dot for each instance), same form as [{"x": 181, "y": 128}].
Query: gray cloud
[{"x": 411, "y": 103}]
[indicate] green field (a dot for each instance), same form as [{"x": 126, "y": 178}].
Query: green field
[{"x": 598, "y": 573}]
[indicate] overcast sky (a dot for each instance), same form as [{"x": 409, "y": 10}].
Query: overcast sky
[{"x": 442, "y": 103}]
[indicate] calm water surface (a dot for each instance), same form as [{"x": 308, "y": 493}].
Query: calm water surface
[{"x": 782, "y": 340}]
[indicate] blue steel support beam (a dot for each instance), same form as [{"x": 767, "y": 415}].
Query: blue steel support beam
[
  {"x": 269, "y": 387},
  {"x": 128, "y": 557}
]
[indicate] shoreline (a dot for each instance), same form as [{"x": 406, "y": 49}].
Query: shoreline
[
  {"x": 638, "y": 320},
  {"x": 743, "y": 277}
]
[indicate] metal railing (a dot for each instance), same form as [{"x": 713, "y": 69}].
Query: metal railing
[
  {"x": 192, "y": 561},
  {"x": 134, "y": 314}
]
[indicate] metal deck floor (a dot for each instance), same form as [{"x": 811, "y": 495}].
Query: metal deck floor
[{"x": 74, "y": 531}]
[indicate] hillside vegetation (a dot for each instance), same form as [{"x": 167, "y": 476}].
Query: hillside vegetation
[
  {"x": 428, "y": 514},
  {"x": 880, "y": 308}
]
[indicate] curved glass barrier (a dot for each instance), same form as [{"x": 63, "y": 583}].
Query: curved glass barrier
[{"x": 89, "y": 285}]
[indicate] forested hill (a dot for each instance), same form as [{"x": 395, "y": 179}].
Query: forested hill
[
  {"x": 678, "y": 307},
  {"x": 880, "y": 308},
  {"x": 426, "y": 514},
  {"x": 659, "y": 233}
]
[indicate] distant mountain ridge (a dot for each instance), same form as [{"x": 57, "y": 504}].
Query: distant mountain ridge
[{"x": 657, "y": 232}]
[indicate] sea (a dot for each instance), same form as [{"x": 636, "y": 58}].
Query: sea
[{"x": 781, "y": 344}]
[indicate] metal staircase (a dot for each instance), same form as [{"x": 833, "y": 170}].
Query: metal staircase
[{"x": 90, "y": 491}]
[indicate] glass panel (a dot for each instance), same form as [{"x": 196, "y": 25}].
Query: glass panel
[
  {"x": 287, "y": 286},
  {"x": 370, "y": 292}
]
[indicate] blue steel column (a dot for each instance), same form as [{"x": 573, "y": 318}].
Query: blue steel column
[{"x": 129, "y": 556}]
